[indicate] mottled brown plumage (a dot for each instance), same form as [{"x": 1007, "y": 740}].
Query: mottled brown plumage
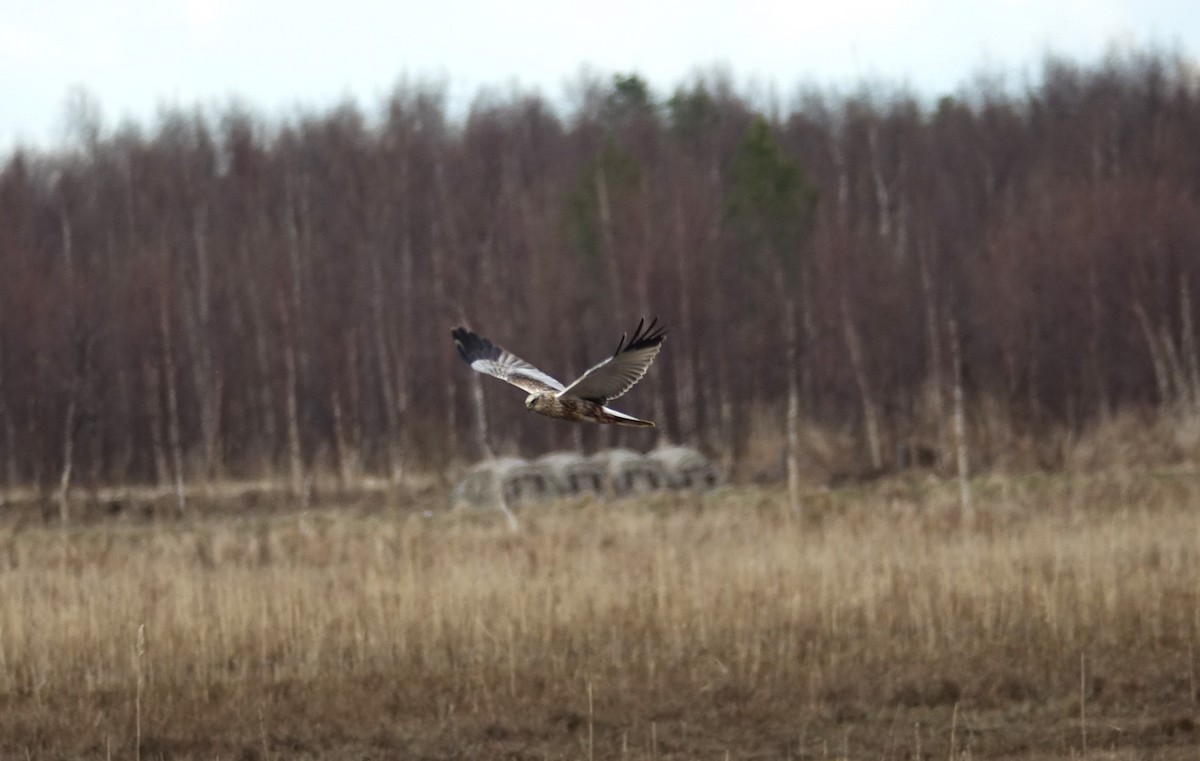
[
  {"x": 575, "y": 410},
  {"x": 584, "y": 400}
]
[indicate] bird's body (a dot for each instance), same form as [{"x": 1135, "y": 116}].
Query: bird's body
[
  {"x": 575, "y": 409},
  {"x": 587, "y": 398}
]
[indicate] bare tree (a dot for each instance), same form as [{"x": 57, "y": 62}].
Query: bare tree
[{"x": 224, "y": 295}]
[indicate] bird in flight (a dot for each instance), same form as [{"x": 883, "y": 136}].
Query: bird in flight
[{"x": 585, "y": 399}]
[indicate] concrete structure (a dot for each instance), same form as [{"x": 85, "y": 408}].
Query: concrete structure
[
  {"x": 688, "y": 468},
  {"x": 574, "y": 474},
  {"x": 631, "y": 473},
  {"x": 502, "y": 483},
  {"x": 506, "y": 483}
]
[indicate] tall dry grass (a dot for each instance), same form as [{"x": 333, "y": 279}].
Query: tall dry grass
[{"x": 726, "y": 620}]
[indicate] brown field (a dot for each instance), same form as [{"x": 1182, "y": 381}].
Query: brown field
[{"x": 1063, "y": 622}]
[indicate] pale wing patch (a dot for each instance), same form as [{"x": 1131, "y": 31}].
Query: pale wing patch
[
  {"x": 617, "y": 374},
  {"x": 486, "y": 357},
  {"x": 519, "y": 373}
]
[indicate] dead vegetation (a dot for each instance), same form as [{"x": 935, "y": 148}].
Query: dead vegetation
[{"x": 872, "y": 625}]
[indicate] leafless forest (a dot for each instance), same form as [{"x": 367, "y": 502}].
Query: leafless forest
[{"x": 219, "y": 295}]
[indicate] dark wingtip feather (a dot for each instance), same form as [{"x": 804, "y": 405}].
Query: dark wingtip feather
[
  {"x": 621, "y": 344},
  {"x": 472, "y": 346},
  {"x": 651, "y": 335}
]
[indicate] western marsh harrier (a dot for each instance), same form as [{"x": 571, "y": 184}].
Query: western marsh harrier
[{"x": 585, "y": 399}]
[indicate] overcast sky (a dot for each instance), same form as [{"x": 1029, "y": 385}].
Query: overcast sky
[{"x": 277, "y": 55}]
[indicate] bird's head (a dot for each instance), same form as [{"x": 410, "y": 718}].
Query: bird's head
[{"x": 529, "y": 401}]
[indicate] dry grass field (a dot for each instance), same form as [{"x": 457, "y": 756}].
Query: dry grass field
[{"x": 1062, "y": 623}]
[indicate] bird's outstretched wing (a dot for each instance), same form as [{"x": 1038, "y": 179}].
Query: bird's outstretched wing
[
  {"x": 488, "y": 358},
  {"x": 617, "y": 374}
]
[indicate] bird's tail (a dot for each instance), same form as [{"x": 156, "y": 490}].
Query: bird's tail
[{"x": 620, "y": 418}]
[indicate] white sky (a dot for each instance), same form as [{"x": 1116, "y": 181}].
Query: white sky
[{"x": 277, "y": 55}]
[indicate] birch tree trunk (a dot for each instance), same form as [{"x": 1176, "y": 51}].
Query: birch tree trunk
[
  {"x": 291, "y": 317},
  {"x": 174, "y": 434},
  {"x": 641, "y": 283},
  {"x": 883, "y": 194},
  {"x": 385, "y": 366},
  {"x": 870, "y": 414},
  {"x": 483, "y": 435},
  {"x": 1096, "y": 314},
  {"x": 605, "y": 435},
  {"x": 68, "y": 457},
  {"x": 296, "y": 214},
  {"x": 1188, "y": 344},
  {"x": 608, "y": 240},
  {"x": 449, "y": 235},
  {"x": 1162, "y": 376},
  {"x": 713, "y": 364},
  {"x": 933, "y": 321},
  {"x": 793, "y": 406},
  {"x": 9, "y": 427},
  {"x": 125, "y": 451},
  {"x": 1179, "y": 384},
  {"x": 341, "y": 443},
  {"x": 158, "y": 446},
  {"x": 960, "y": 429},
  {"x": 205, "y": 378},
  {"x": 347, "y": 434},
  {"x": 11, "y": 468},
  {"x": 684, "y": 361},
  {"x": 405, "y": 332},
  {"x": 68, "y": 449},
  {"x": 843, "y": 182},
  {"x": 391, "y": 331},
  {"x": 291, "y": 382},
  {"x": 265, "y": 387}
]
